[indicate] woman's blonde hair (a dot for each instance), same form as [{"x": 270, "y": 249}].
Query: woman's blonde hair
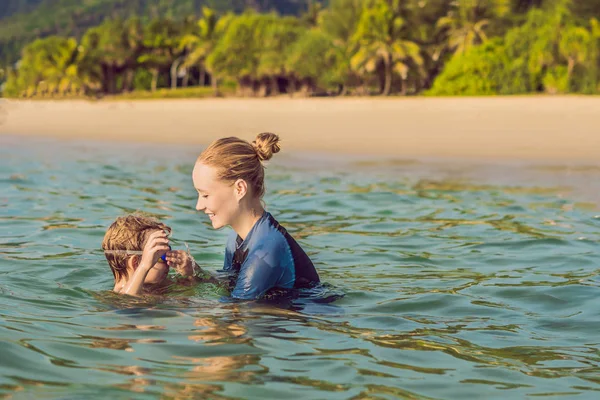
[
  {"x": 128, "y": 233},
  {"x": 238, "y": 159}
]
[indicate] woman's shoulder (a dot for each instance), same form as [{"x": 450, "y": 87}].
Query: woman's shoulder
[
  {"x": 272, "y": 229},
  {"x": 269, "y": 236}
]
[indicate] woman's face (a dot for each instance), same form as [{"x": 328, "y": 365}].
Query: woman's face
[{"x": 216, "y": 198}]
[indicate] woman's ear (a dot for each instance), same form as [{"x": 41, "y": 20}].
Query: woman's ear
[{"x": 240, "y": 188}]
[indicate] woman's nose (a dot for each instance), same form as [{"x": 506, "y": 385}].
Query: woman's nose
[{"x": 200, "y": 204}]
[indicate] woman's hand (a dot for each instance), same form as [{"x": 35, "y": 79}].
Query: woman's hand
[{"x": 181, "y": 261}]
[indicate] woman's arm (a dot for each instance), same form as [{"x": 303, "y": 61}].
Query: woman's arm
[{"x": 257, "y": 275}]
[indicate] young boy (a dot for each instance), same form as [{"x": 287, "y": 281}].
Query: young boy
[{"x": 138, "y": 252}]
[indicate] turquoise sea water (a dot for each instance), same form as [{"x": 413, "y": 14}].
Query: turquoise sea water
[{"x": 459, "y": 280}]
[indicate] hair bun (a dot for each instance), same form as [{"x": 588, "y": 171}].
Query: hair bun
[{"x": 266, "y": 144}]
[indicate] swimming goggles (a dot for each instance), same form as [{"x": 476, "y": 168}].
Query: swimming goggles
[{"x": 134, "y": 253}]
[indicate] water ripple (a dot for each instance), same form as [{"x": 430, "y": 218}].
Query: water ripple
[{"x": 458, "y": 282}]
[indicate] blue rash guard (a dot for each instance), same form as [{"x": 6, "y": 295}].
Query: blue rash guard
[{"x": 268, "y": 258}]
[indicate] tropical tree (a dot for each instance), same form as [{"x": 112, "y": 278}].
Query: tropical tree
[
  {"x": 200, "y": 43},
  {"x": 160, "y": 47},
  {"x": 322, "y": 70},
  {"x": 574, "y": 46},
  {"x": 464, "y": 25},
  {"x": 278, "y": 37},
  {"x": 381, "y": 38},
  {"x": 46, "y": 65},
  {"x": 237, "y": 54},
  {"x": 593, "y": 77},
  {"x": 339, "y": 23},
  {"x": 311, "y": 16},
  {"x": 481, "y": 71},
  {"x": 197, "y": 43},
  {"x": 108, "y": 51},
  {"x": 547, "y": 53}
]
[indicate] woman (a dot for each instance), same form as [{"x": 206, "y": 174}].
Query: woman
[{"x": 229, "y": 178}]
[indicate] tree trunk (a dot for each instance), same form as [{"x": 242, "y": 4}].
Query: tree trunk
[
  {"x": 154, "y": 79},
  {"x": 174, "y": 68},
  {"x": 186, "y": 78},
  {"x": 202, "y": 78},
  {"x": 403, "y": 90},
  {"x": 111, "y": 81},
  {"x": 215, "y": 85},
  {"x": 128, "y": 81},
  {"x": 106, "y": 79},
  {"x": 263, "y": 88},
  {"x": 343, "y": 90},
  {"x": 387, "y": 87},
  {"x": 570, "y": 67},
  {"x": 292, "y": 86},
  {"x": 274, "y": 86}
]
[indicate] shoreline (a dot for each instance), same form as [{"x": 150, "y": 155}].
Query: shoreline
[{"x": 517, "y": 128}]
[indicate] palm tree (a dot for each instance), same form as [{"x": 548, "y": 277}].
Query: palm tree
[
  {"x": 199, "y": 43},
  {"x": 237, "y": 53},
  {"x": 314, "y": 59},
  {"x": 464, "y": 25},
  {"x": 339, "y": 22},
  {"x": 161, "y": 44},
  {"x": 311, "y": 16},
  {"x": 594, "y": 55},
  {"x": 574, "y": 45},
  {"x": 48, "y": 63},
  {"x": 380, "y": 36},
  {"x": 133, "y": 36},
  {"x": 106, "y": 51},
  {"x": 277, "y": 39}
]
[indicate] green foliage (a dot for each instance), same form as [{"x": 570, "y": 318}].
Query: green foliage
[
  {"x": 181, "y": 93},
  {"x": 556, "y": 80},
  {"x": 326, "y": 69},
  {"x": 237, "y": 54},
  {"x": 278, "y": 37},
  {"x": 464, "y": 47},
  {"x": 548, "y": 53},
  {"x": 21, "y": 21},
  {"x": 47, "y": 65},
  {"x": 382, "y": 39},
  {"x": 481, "y": 71}
]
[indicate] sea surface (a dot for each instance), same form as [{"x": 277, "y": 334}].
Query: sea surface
[{"x": 444, "y": 279}]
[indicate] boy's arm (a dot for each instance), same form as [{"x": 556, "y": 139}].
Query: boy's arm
[
  {"x": 156, "y": 245},
  {"x": 134, "y": 285}
]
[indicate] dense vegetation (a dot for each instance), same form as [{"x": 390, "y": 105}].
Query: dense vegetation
[
  {"x": 21, "y": 21},
  {"x": 348, "y": 46}
]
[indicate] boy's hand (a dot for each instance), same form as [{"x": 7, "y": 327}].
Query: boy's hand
[
  {"x": 156, "y": 245},
  {"x": 181, "y": 261}
]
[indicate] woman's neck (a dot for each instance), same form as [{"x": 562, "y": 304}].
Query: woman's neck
[{"x": 247, "y": 219}]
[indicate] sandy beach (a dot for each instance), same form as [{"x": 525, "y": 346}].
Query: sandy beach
[{"x": 517, "y": 128}]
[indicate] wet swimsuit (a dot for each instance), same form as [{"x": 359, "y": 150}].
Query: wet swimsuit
[{"x": 268, "y": 258}]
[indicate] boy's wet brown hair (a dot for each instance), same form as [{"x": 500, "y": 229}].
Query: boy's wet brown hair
[{"x": 128, "y": 233}]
